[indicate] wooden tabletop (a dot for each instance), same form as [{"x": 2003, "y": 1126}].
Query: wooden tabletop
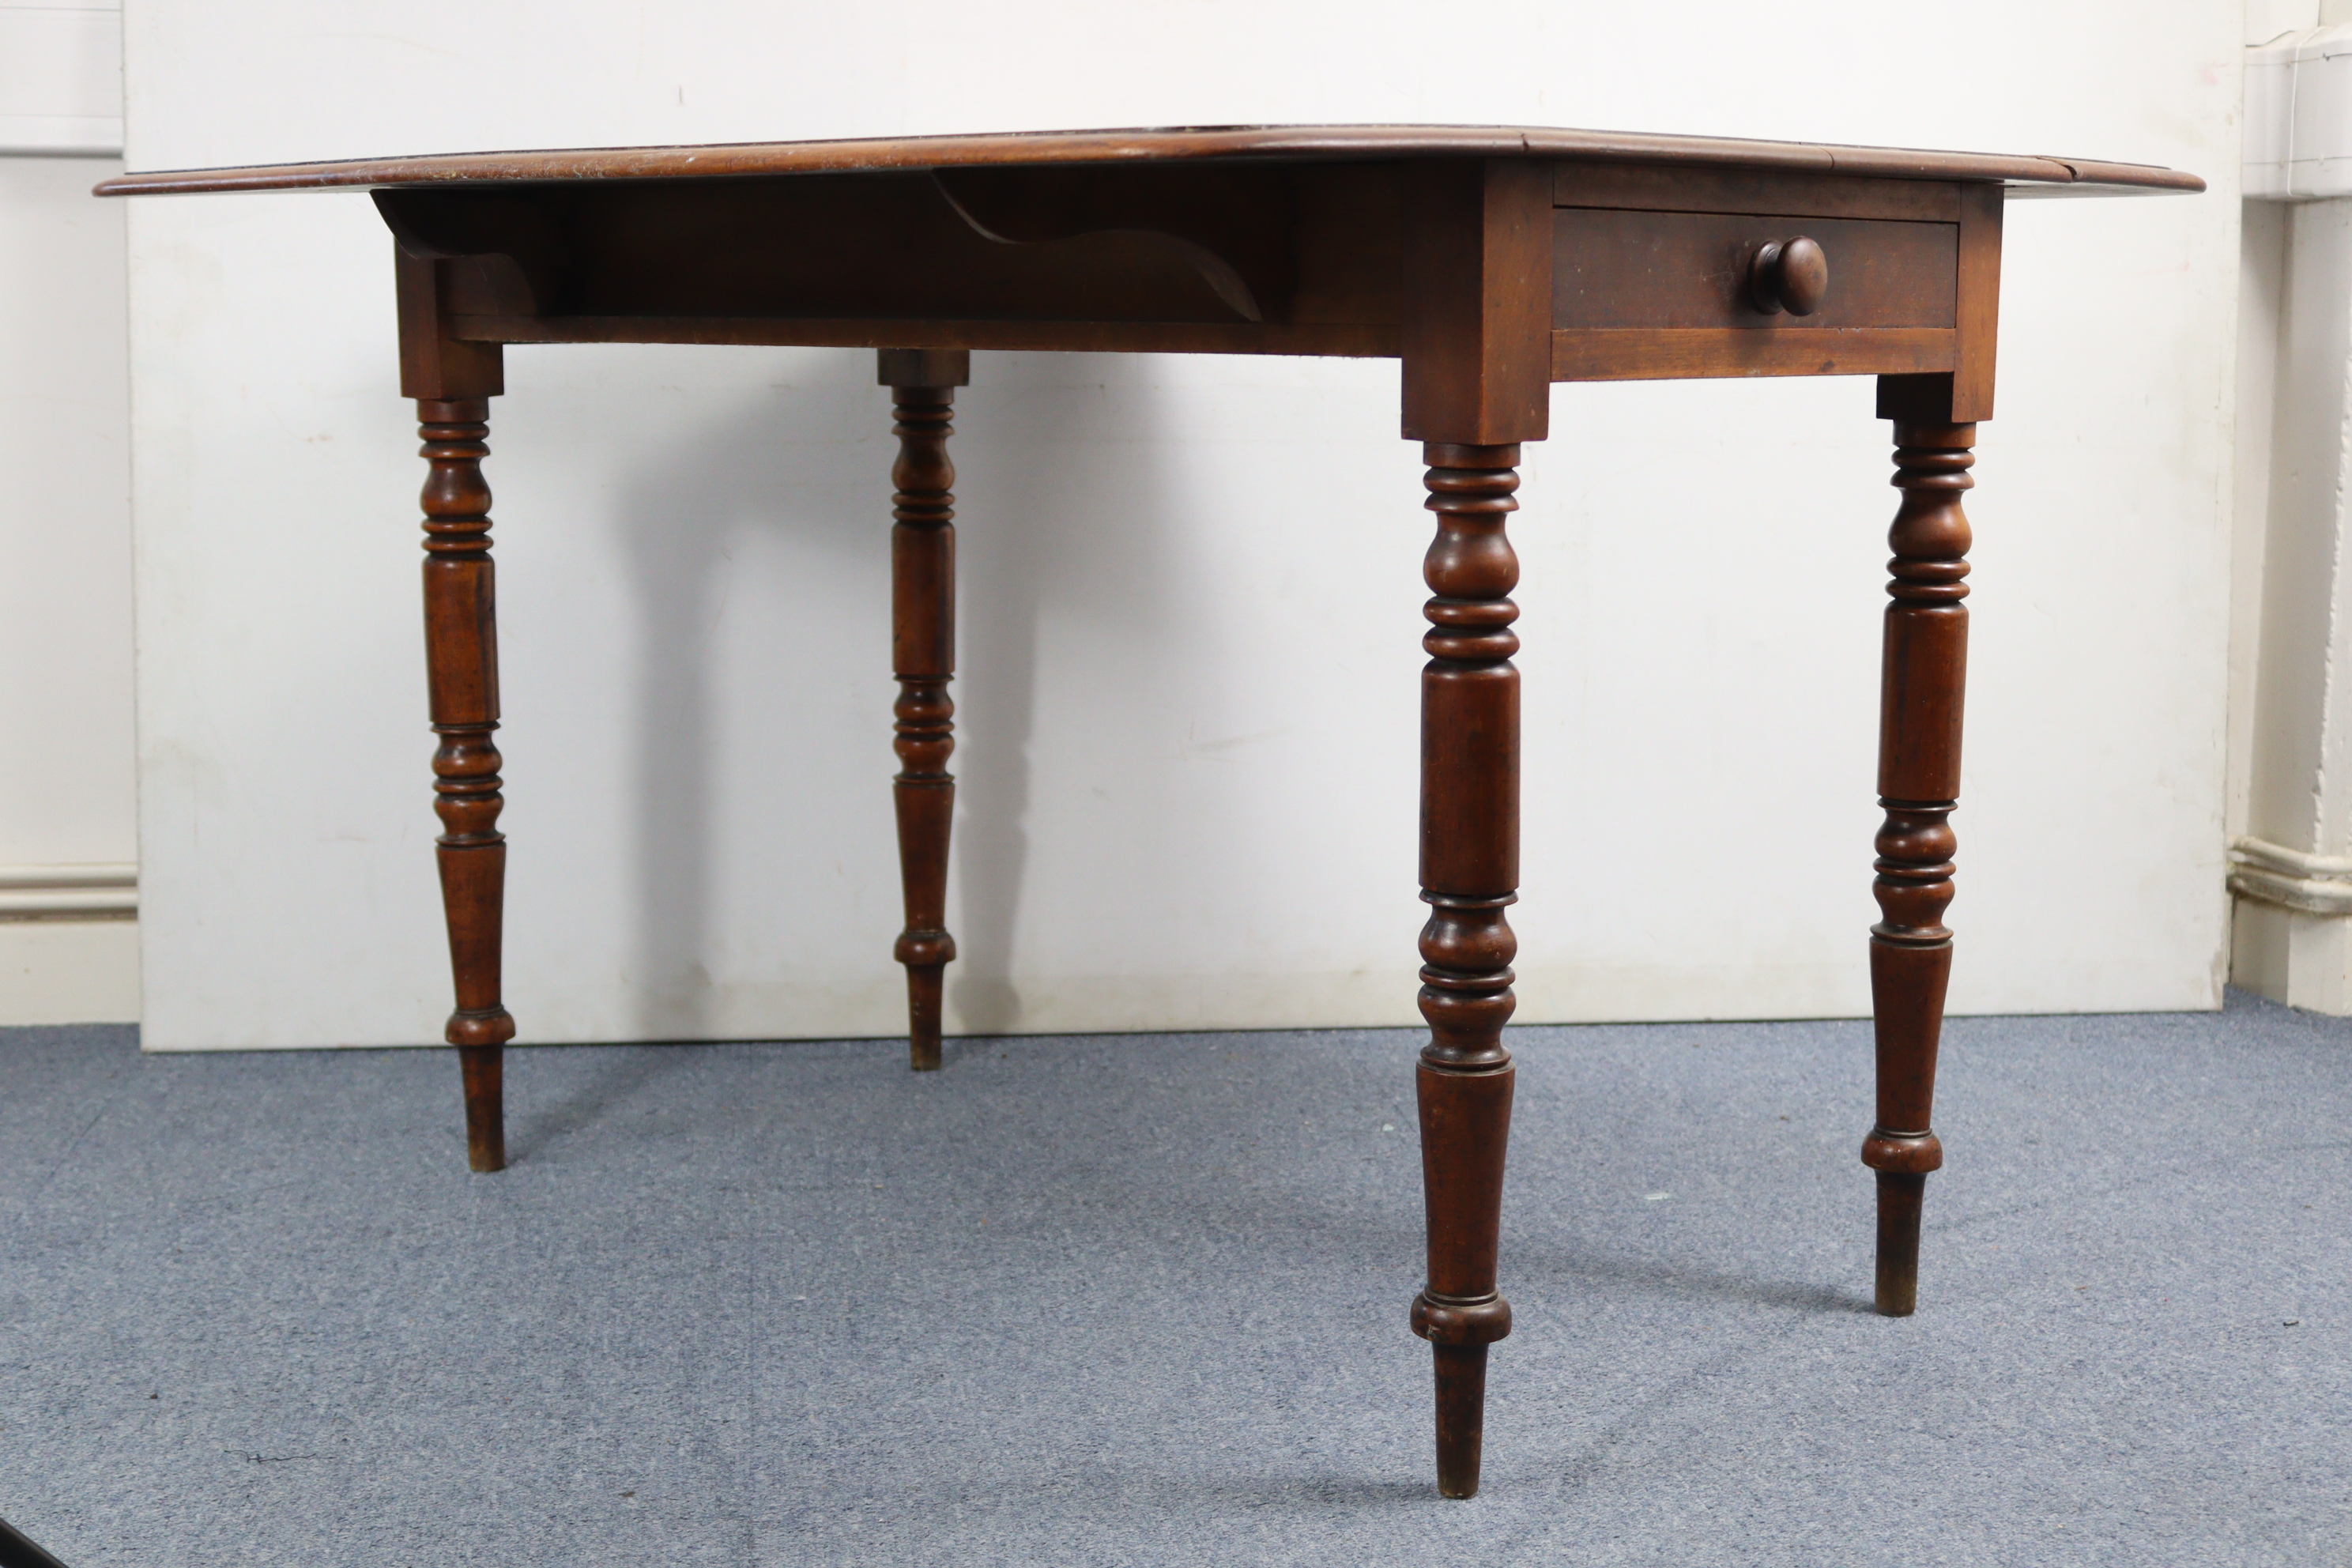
[{"x": 1283, "y": 143}]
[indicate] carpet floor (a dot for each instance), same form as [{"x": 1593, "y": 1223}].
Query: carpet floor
[{"x": 1141, "y": 1300}]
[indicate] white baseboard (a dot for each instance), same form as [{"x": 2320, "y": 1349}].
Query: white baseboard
[
  {"x": 76, "y": 969},
  {"x": 2289, "y": 955},
  {"x": 2289, "y": 937}
]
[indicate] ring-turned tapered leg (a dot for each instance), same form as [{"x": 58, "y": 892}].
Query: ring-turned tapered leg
[
  {"x": 923, "y": 384},
  {"x": 461, "y": 653},
  {"x": 1923, "y": 677},
  {"x": 1469, "y": 876}
]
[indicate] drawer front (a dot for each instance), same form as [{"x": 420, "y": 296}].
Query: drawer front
[{"x": 1615, "y": 268}]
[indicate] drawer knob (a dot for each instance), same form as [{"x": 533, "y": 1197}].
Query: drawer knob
[{"x": 1789, "y": 275}]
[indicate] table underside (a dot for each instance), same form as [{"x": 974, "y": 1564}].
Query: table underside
[{"x": 1648, "y": 263}]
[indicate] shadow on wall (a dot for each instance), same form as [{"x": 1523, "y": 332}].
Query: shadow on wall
[{"x": 1063, "y": 515}]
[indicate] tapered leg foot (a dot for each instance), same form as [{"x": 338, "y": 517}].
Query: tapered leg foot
[
  {"x": 1461, "y": 1416},
  {"x": 925, "y": 985},
  {"x": 1900, "y": 1198},
  {"x": 485, "y": 1124}
]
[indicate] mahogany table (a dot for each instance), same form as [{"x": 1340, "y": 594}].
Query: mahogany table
[{"x": 1490, "y": 261}]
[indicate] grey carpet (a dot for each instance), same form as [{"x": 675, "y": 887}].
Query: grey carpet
[{"x": 1142, "y": 1300}]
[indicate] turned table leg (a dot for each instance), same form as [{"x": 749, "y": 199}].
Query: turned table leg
[
  {"x": 1922, "y": 679},
  {"x": 462, "y": 659},
  {"x": 923, "y": 384},
  {"x": 1469, "y": 874}
]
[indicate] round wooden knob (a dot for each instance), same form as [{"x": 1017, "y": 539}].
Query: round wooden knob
[{"x": 1789, "y": 275}]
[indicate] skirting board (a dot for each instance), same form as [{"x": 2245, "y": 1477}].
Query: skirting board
[
  {"x": 69, "y": 970},
  {"x": 2291, "y": 955}
]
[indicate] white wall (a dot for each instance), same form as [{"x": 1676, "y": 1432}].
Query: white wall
[
  {"x": 69, "y": 946},
  {"x": 1191, "y": 615},
  {"x": 61, "y": 77}
]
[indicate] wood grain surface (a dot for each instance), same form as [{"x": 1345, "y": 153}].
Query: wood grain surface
[
  {"x": 1691, "y": 269},
  {"x": 1286, "y": 142}
]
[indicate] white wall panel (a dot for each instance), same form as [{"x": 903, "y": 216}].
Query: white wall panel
[
  {"x": 61, "y": 78},
  {"x": 1191, "y": 591},
  {"x": 68, "y": 786},
  {"x": 66, "y": 776}
]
